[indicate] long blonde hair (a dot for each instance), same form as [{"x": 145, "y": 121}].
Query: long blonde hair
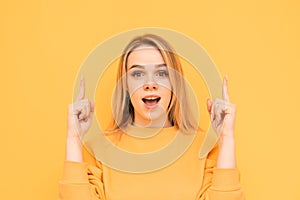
[{"x": 179, "y": 110}]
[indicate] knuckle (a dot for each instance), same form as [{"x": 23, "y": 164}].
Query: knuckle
[{"x": 84, "y": 101}]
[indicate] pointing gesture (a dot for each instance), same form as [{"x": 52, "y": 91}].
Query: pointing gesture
[
  {"x": 80, "y": 114},
  {"x": 222, "y": 112},
  {"x": 225, "y": 89},
  {"x": 81, "y": 93}
]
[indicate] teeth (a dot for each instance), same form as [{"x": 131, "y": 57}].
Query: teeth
[{"x": 151, "y": 98}]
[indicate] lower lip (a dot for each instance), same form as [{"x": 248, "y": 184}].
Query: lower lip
[{"x": 150, "y": 106}]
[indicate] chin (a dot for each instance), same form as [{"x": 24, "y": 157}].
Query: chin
[{"x": 157, "y": 116}]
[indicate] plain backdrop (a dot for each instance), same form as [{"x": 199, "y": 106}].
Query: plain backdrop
[{"x": 43, "y": 43}]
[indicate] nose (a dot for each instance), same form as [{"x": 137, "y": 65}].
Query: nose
[{"x": 150, "y": 86}]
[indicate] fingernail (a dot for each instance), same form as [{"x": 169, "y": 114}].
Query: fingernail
[{"x": 226, "y": 77}]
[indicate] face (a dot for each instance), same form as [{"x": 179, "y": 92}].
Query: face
[{"x": 149, "y": 87}]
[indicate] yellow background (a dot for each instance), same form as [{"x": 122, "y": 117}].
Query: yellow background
[{"x": 43, "y": 44}]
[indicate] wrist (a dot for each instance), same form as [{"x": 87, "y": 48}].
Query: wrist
[
  {"x": 73, "y": 149},
  {"x": 227, "y": 139},
  {"x": 72, "y": 137},
  {"x": 226, "y": 157}
]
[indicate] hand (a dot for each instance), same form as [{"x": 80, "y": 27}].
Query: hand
[
  {"x": 80, "y": 114},
  {"x": 222, "y": 113}
]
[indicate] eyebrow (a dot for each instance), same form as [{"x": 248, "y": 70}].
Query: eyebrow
[{"x": 143, "y": 66}]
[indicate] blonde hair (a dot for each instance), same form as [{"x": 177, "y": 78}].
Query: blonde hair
[{"x": 179, "y": 110}]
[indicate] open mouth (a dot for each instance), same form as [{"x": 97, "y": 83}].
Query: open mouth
[{"x": 151, "y": 101}]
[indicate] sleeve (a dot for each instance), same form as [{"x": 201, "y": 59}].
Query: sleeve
[
  {"x": 220, "y": 183},
  {"x": 82, "y": 180}
]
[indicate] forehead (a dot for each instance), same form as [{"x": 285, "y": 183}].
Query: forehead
[{"x": 144, "y": 55}]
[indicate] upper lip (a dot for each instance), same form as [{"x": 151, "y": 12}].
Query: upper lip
[{"x": 151, "y": 96}]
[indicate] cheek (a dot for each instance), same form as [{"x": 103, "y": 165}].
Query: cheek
[
  {"x": 167, "y": 98},
  {"x": 133, "y": 87},
  {"x": 134, "y": 97},
  {"x": 165, "y": 84}
]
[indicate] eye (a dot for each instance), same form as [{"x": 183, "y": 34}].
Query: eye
[
  {"x": 137, "y": 74},
  {"x": 162, "y": 73}
]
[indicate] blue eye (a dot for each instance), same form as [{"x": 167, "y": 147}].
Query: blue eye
[
  {"x": 162, "y": 73},
  {"x": 137, "y": 74}
]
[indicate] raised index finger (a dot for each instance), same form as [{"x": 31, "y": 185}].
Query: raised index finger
[
  {"x": 81, "y": 93},
  {"x": 225, "y": 89}
]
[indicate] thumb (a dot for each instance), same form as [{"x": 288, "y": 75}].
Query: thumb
[
  {"x": 92, "y": 106},
  {"x": 209, "y": 103}
]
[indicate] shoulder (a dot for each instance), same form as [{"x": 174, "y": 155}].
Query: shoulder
[
  {"x": 205, "y": 143},
  {"x": 209, "y": 147},
  {"x": 199, "y": 137},
  {"x": 94, "y": 142}
]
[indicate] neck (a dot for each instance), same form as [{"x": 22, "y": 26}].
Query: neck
[{"x": 152, "y": 124}]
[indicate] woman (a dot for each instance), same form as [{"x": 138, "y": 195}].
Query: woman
[{"x": 150, "y": 99}]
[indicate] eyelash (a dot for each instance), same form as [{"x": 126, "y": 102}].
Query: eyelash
[
  {"x": 165, "y": 73},
  {"x": 135, "y": 73},
  {"x": 138, "y": 74}
]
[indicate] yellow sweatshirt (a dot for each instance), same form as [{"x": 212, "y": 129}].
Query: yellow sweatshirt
[{"x": 160, "y": 166}]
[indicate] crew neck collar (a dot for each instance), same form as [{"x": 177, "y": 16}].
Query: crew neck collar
[{"x": 147, "y": 132}]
